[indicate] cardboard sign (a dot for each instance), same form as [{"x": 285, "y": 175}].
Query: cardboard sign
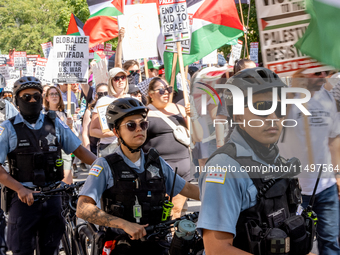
[
  {"x": 141, "y": 31},
  {"x": 108, "y": 47},
  {"x": 281, "y": 24},
  {"x": 102, "y": 118},
  {"x": 254, "y": 51},
  {"x": 210, "y": 59},
  {"x": 70, "y": 59},
  {"x": 46, "y": 47},
  {"x": 40, "y": 70},
  {"x": 174, "y": 20},
  {"x": 20, "y": 60},
  {"x": 235, "y": 53},
  {"x": 4, "y": 71}
]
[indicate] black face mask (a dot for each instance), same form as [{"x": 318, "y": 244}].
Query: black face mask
[
  {"x": 133, "y": 78},
  {"x": 29, "y": 110}
]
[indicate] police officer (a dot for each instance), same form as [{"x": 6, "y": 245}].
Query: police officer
[
  {"x": 129, "y": 179},
  {"x": 7, "y": 110},
  {"x": 32, "y": 141},
  {"x": 248, "y": 208}
]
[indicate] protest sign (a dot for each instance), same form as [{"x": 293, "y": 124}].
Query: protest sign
[
  {"x": 20, "y": 60},
  {"x": 172, "y": 47},
  {"x": 14, "y": 75},
  {"x": 108, "y": 47},
  {"x": 281, "y": 24},
  {"x": 40, "y": 70},
  {"x": 141, "y": 31},
  {"x": 46, "y": 47},
  {"x": 235, "y": 53},
  {"x": 3, "y": 60},
  {"x": 99, "y": 47},
  {"x": 70, "y": 59},
  {"x": 33, "y": 59},
  {"x": 29, "y": 69},
  {"x": 108, "y": 54},
  {"x": 210, "y": 59},
  {"x": 174, "y": 20},
  {"x": 4, "y": 71},
  {"x": 254, "y": 51},
  {"x": 102, "y": 118}
]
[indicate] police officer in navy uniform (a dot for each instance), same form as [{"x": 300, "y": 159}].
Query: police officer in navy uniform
[
  {"x": 247, "y": 208},
  {"x": 32, "y": 141},
  {"x": 129, "y": 184}
]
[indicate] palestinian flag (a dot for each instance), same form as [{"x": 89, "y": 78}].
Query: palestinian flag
[
  {"x": 102, "y": 24},
  {"x": 75, "y": 27},
  {"x": 322, "y": 37},
  {"x": 214, "y": 24}
]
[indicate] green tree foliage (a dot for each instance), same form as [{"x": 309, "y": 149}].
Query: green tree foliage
[{"x": 253, "y": 31}]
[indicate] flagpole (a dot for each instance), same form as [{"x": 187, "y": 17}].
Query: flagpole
[
  {"x": 146, "y": 70},
  {"x": 245, "y": 37},
  {"x": 173, "y": 75},
  {"x": 184, "y": 85},
  {"x": 247, "y": 25},
  {"x": 68, "y": 112}
]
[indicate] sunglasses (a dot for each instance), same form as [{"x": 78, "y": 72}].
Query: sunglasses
[
  {"x": 131, "y": 125},
  {"x": 135, "y": 94},
  {"x": 101, "y": 94},
  {"x": 10, "y": 96},
  {"x": 28, "y": 97},
  {"x": 134, "y": 71},
  {"x": 266, "y": 105},
  {"x": 117, "y": 78},
  {"x": 162, "y": 91}
]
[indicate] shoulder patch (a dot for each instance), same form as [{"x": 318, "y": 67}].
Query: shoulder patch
[
  {"x": 62, "y": 123},
  {"x": 218, "y": 177},
  {"x": 95, "y": 170},
  {"x": 1, "y": 130}
]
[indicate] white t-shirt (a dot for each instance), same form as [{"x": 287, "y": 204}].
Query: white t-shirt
[
  {"x": 106, "y": 100},
  {"x": 323, "y": 124}
]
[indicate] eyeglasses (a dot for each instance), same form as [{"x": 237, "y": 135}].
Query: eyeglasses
[
  {"x": 162, "y": 91},
  {"x": 28, "y": 97},
  {"x": 131, "y": 125},
  {"x": 266, "y": 105},
  {"x": 117, "y": 78},
  {"x": 135, "y": 94},
  {"x": 101, "y": 94},
  {"x": 53, "y": 94},
  {"x": 134, "y": 71}
]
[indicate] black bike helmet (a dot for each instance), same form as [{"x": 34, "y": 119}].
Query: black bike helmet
[
  {"x": 26, "y": 82},
  {"x": 258, "y": 78},
  {"x": 121, "y": 108}
]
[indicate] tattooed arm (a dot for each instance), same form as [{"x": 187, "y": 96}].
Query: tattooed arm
[{"x": 87, "y": 210}]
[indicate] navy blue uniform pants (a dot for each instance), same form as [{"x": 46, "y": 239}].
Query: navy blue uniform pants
[{"x": 40, "y": 220}]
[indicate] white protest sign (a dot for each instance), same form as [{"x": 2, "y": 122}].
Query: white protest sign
[
  {"x": 141, "y": 31},
  {"x": 46, "y": 47},
  {"x": 40, "y": 70},
  {"x": 210, "y": 58},
  {"x": 14, "y": 75},
  {"x": 20, "y": 60},
  {"x": 174, "y": 20},
  {"x": 281, "y": 24},
  {"x": 102, "y": 118},
  {"x": 254, "y": 51},
  {"x": 108, "y": 47},
  {"x": 235, "y": 53},
  {"x": 100, "y": 72},
  {"x": 29, "y": 69},
  {"x": 4, "y": 71},
  {"x": 70, "y": 59}
]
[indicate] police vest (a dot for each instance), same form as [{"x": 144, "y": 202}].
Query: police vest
[
  {"x": 2, "y": 110},
  {"x": 148, "y": 187},
  {"x": 37, "y": 156},
  {"x": 271, "y": 226}
]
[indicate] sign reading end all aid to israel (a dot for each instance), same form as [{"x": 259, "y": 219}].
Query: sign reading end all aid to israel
[{"x": 175, "y": 20}]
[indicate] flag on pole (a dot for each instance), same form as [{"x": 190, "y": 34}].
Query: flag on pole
[
  {"x": 214, "y": 24},
  {"x": 242, "y": 2},
  {"x": 322, "y": 37},
  {"x": 75, "y": 27},
  {"x": 102, "y": 24}
]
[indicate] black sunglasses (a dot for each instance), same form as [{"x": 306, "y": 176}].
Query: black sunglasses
[
  {"x": 101, "y": 94},
  {"x": 266, "y": 105},
  {"x": 117, "y": 78},
  {"x": 28, "y": 97},
  {"x": 131, "y": 125},
  {"x": 162, "y": 91}
]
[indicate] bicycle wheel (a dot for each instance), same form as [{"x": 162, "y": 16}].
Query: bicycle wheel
[{"x": 86, "y": 240}]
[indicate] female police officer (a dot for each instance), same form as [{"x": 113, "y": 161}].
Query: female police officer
[{"x": 128, "y": 181}]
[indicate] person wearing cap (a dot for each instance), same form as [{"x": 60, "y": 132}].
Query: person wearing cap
[
  {"x": 128, "y": 179},
  {"x": 135, "y": 93},
  {"x": 118, "y": 88},
  {"x": 247, "y": 211},
  {"x": 153, "y": 68},
  {"x": 32, "y": 142}
]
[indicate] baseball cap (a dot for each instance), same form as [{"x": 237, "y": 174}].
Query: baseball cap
[
  {"x": 133, "y": 88},
  {"x": 153, "y": 64},
  {"x": 116, "y": 70}
]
